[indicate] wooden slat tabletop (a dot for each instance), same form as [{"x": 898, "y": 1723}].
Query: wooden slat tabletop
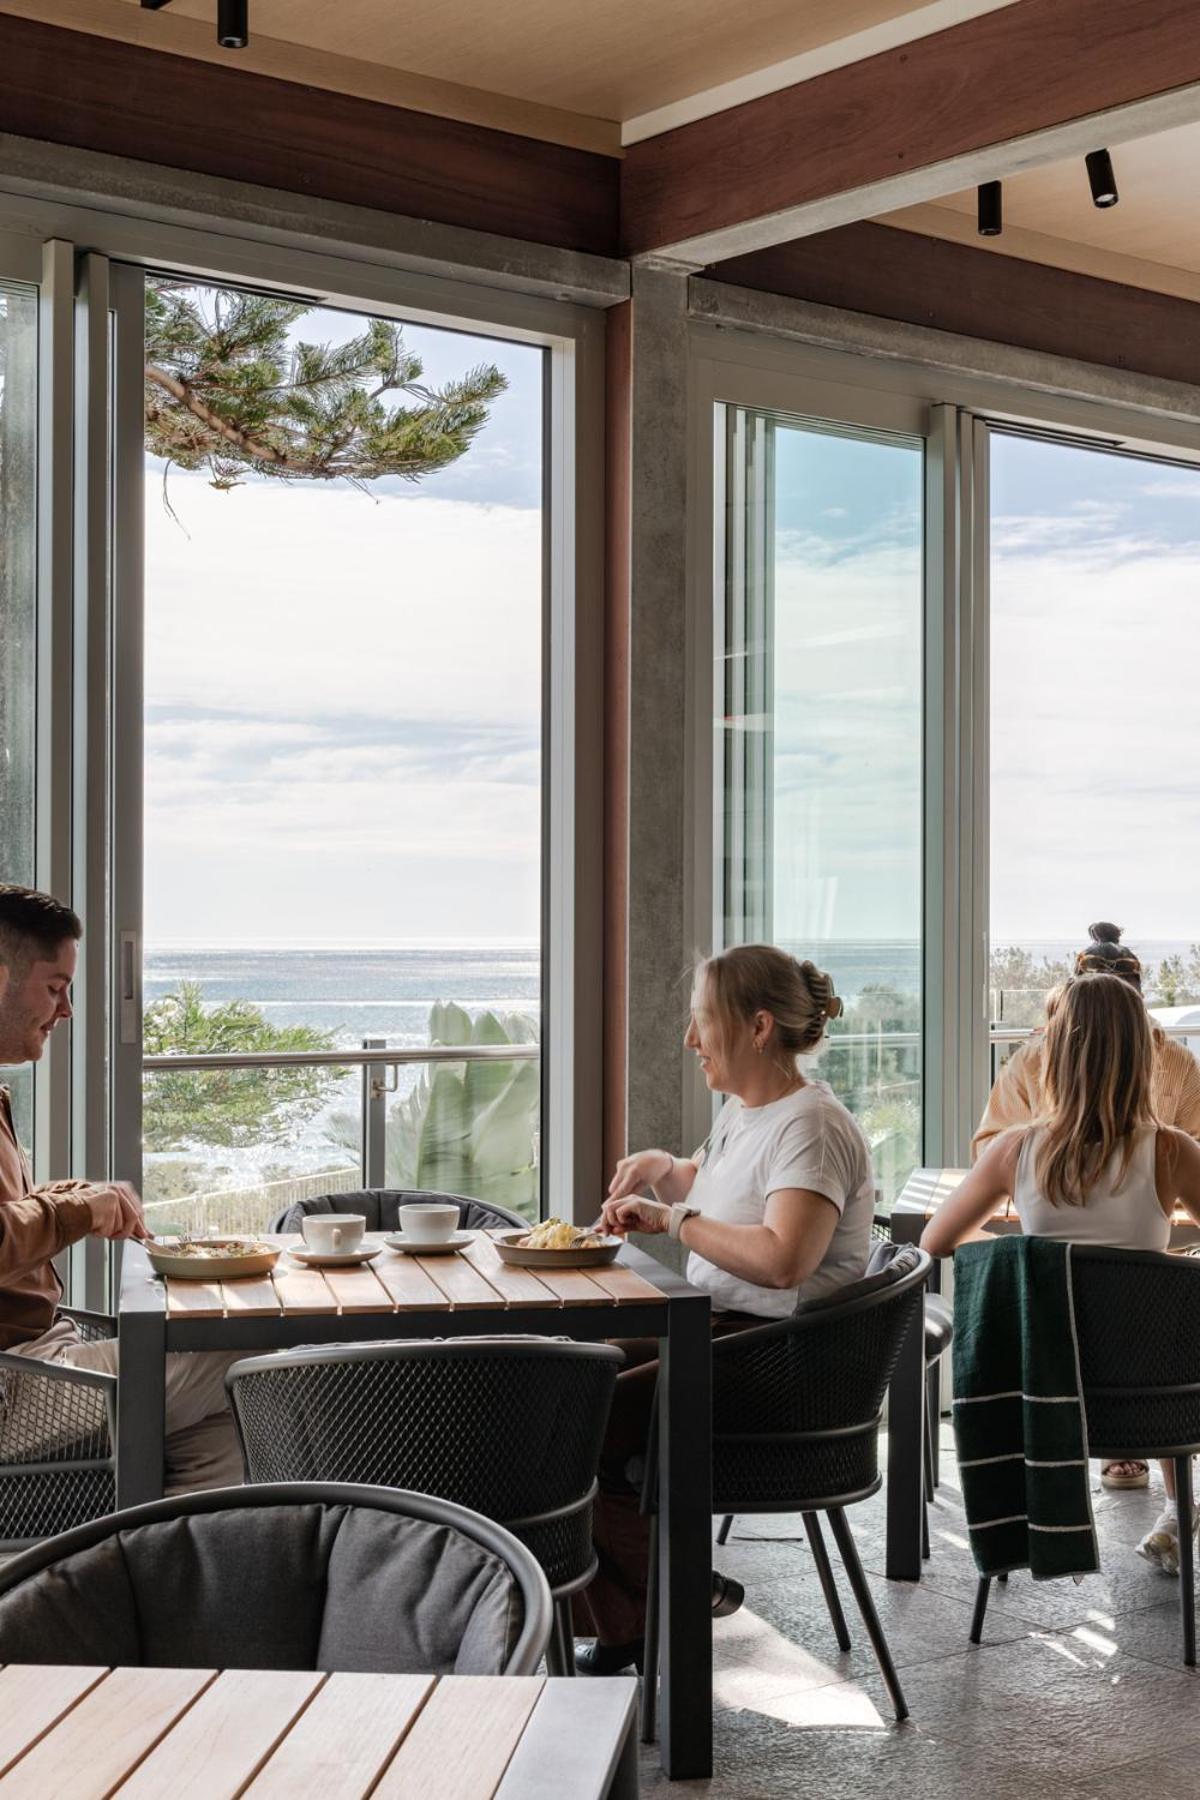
[
  {"x": 474, "y": 1281},
  {"x": 88, "y": 1733}
]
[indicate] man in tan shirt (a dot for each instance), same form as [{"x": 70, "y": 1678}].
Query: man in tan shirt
[{"x": 38, "y": 951}]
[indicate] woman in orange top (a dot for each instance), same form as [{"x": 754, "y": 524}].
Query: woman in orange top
[{"x": 1018, "y": 1096}]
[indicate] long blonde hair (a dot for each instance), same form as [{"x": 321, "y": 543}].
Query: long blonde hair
[
  {"x": 1099, "y": 1056},
  {"x": 754, "y": 978}
]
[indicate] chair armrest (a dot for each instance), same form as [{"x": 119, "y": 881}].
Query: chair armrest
[
  {"x": 57, "y": 1371},
  {"x": 94, "y": 1325},
  {"x": 40, "y": 1413}
]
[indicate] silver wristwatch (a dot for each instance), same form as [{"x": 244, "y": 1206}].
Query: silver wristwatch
[{"x": 680, "y": 1212}]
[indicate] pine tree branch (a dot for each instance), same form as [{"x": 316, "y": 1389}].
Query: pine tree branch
[{"x": 179, "y": 390}]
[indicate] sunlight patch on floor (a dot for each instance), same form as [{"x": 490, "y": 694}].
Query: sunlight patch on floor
[{"x": 759, "y": 1670}]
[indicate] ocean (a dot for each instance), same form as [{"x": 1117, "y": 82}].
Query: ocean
[{"x": 353, "y": 992}]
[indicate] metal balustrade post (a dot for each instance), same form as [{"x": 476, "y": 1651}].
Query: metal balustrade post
[{"x": 375, "y": 1090}]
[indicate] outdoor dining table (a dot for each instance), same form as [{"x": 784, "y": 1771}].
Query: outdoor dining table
[
  {"x": 81, "y": 1733},
  {"x": 922, "y": 1194},
  {"x": 461, "y": 1295}
]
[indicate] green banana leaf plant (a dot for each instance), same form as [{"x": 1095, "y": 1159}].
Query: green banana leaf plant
[{"x": 471, "y": 1128}]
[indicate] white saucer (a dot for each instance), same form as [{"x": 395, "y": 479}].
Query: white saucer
[
  {"x": 334, "y": 1259},
  {"x": 458, "y": 1240}
]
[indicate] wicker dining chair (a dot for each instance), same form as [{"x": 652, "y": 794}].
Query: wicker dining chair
[
  {"x": 307, "y": 1575},
  {"x": 797, "y": 1407},
  {"x": 511, "y": 1427},
  {"x": 58, "y": 1426},
  {"x": 381, "y": 1209},
  {"x": 1137, "y": 1323},
  {"x": 939, "y": 1335}
]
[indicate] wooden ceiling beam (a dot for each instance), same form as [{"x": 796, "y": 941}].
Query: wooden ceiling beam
[
  {"x": 1030, "y": 83},
  {"x": 96, "y": 93},
  {"x": 888, "y": 273}
]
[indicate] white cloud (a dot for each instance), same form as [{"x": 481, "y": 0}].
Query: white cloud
[{"x": 344, "y": 700}]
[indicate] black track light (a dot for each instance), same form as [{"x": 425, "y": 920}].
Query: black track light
[
  {"x": 233, "y": 24},
  {"x": 233, "y": 21},
  {"x": 1101, "y": 179},
  {"x": 991, "y": 209}
]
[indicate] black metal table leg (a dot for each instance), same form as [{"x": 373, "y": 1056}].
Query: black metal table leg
[
  {"x": 685, "y": 1539},
  {"x": 906, "y": 1455},
  {"x": 141, "y": 1384}
]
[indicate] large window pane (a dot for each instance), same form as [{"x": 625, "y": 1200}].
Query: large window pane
[
  {"x": 18, "y": 600},
  {"x": 343, "y": 746},
  {"x": 1094, "y": 566},
  {"x": 819, "y": 741}
]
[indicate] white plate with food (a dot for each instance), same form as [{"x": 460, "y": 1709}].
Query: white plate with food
[
  {"x": 211, "y": 1259},
  {"x": 555, "y": 1245},
  {"x": 334, "y": 1259},
  {"x": 458, "y": 1240}
]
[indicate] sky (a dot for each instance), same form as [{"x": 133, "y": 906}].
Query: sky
[
  {"x": 343, "y": 692},
  {"x": 1095, "y": 609},
  {"x": 1095, "y": 602}
]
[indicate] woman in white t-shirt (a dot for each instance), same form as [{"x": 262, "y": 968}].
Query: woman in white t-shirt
[{"x": 774, "y": 1209}]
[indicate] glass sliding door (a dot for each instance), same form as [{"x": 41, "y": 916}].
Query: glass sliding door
[
  {"x": 818, "y": 684},
  {"x": 341, "y": 838},
  {"x": 1094, "y": 564},
  {"x": 18, "y": 613}
]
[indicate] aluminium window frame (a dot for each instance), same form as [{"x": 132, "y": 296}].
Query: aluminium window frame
[
  {"x": 103, "y": 247},
  {"x": 955, "y": 412}
]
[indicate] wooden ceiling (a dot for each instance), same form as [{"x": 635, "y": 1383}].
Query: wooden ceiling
[
  {"x": 1151, "y": 238},
  {"x": 570, "y": 70}
]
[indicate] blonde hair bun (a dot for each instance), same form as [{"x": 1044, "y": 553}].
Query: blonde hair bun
[
  {"x": 751, "y": 978},
  {"x": 820, "y": 986}
]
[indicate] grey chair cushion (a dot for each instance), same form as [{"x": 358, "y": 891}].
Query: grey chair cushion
[
  {"x": 886, "y": 1264},
  {"x": 276, "y": 1587}
]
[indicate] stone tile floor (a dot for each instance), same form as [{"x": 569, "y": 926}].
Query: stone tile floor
[{"x": 1076, "y": 1686}]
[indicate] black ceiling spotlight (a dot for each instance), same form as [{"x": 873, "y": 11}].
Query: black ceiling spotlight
[
  {"x": 233, "y": 24},
  {"x": 233, "y": 21},
  {"x": 991, "y": 209},
  {"x": 1101, "y": 179}
]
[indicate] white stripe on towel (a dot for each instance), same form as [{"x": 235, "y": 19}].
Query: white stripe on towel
[
  {"x": 1016, "y": 1394},
  {"x": 983, "y": 1462}
]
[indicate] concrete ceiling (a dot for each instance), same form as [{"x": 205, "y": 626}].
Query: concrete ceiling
[{"x": 1151, "y": 238}]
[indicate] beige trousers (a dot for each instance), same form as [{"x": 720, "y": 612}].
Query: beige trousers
[{"x": 202, "y": 1449}]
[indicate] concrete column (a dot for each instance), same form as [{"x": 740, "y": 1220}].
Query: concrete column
[{"x": 646, "y": 957}]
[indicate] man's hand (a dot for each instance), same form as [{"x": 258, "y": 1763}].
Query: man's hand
[
  {"x": 635, "y": 1173},
  {"x": 635, "y": 1214},
  {"x": 116, "y": 1212}
]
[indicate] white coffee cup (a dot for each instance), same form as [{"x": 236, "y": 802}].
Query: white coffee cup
[
  {"x": 329, "y": 1233},
  {"x": 429, "y": 1221}
]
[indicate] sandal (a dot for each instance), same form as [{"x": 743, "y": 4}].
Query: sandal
[{"x": 1125, "y": 1472}]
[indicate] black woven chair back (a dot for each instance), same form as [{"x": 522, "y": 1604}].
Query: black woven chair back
[
  {"x": 796, "y": 1405},
  {"x": 309, "y": 1576},
  {"x": 511, "y": 1428},
  {"x": 1137, "y": 1316},
  {"x": 381, "y": 1209}
]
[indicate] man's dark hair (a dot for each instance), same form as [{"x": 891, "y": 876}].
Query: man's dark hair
[{"x": 33, "y": 926}]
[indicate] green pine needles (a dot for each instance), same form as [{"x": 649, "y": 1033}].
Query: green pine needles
[{"x": 230, "y": 389}]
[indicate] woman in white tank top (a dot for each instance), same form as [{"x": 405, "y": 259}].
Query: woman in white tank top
[
  {"x": 1122, "y": 1207},
  {"x": 1097, "y": 1168}
]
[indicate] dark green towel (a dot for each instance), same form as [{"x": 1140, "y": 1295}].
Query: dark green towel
[{"x": 1019, "y": 1421}]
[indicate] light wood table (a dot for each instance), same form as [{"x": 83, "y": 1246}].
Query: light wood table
[
  {"x": 464, "y": 1295},
  {"x": 85, "y": 1733}
]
